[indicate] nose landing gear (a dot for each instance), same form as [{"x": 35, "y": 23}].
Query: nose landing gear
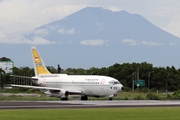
[
  {"x": 64, "y": 98},
  {"x": 110, "y": 99},
  {"x": 84, "y": 97}
]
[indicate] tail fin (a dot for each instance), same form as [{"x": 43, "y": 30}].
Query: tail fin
[{"x": 39, "y": 66}]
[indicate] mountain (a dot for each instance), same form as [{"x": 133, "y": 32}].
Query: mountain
[
  {"x": 98, "y": 23},
  {"x": 100, "y": 38}
]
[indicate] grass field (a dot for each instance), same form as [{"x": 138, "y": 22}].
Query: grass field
[
  {"x": 165, "y": 113},
  {"x": 120, "y": 96}
]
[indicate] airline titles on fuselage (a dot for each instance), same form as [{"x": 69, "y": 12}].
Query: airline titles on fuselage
[{"x": 92, "y": 79}]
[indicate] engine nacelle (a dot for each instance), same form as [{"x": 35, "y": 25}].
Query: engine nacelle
[
  {"x": 56, "y": 93},
  {"x": 35, "y": 82},
  {"x": 64, "y": 94}
]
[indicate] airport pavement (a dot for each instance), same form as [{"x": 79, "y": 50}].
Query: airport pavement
[
  {"x": 86, "y": 104},
  {"x": 20, "y": 94}
]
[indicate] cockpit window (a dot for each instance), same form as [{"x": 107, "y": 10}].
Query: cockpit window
[
  {"x": 116, "y": 82},
  {"x": 111, "y": 82}
]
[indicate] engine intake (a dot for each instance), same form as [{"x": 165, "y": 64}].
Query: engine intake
[
  {"x": 64, "y": 93},
  {"x": 122, "y": 88}
]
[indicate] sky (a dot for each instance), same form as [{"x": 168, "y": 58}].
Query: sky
[{"x": 19, "y": 18}]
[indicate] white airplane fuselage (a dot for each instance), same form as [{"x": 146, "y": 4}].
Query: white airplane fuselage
[
  {"x": 63, "y": 85},
  {"x": 89, "y": 85}
]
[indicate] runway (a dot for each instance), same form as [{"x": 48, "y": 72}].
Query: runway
[{"x": 86, "y": 104}]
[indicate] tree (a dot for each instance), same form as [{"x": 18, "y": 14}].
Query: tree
[{"x": 162, "y": 78}]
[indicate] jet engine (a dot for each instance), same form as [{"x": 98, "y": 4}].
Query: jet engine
[{"x": 57, "y": 93}]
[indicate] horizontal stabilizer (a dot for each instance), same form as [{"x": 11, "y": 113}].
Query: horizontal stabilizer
[{"x": 24, "y": 77}]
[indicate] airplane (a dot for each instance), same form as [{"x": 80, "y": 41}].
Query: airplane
[{"x": 63, "y": 85}]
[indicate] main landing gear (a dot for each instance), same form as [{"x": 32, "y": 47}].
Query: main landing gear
[
  {"x": 84, "y": 97},
  {"x": 110, "y": 99},
  {"x": 64, "y": 98}
]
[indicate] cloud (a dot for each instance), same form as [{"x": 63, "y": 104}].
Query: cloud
[
  {"x": 22, "y": 40},
  {"x": 39, "y": 41},
  {"x": 130, "y": 42},
  {"x": 14, "y": 40},
  {"x": 114, "y": 9},
  {"x": 66, "y": 31},
  {"x": 51, "y": 27},
  {"x": 100, "y": 25},
  {"x": 1, "y": 34},
  {"x": 172, "y": 43},
  {"x": 61, "y": 31},
  {"x": 22, "y": 17},
  {"x": 41, "y": 32},
  {"x": 71, "y": 31},
  {"x": 134, "y": 43},
  {"x": 69, "y": 42},
  {"x": 97, "y": 42},
  {"x": 151, "y": 43},
  {"x": 173, "y": 28}
]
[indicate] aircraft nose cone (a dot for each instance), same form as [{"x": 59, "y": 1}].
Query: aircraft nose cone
[{"x": 122, "y": 88}]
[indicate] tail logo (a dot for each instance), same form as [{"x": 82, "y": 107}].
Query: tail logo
[{"x": 39, "y": 66}]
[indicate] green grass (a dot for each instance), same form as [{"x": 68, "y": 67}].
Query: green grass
[
  {"x": 120, "y": 96},
  {"x": 19, "y": 98},
  {"x": 165, "y": 113},
  {"x": 131, "y": 96}
]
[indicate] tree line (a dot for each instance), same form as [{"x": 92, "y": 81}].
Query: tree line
[{"x": 161, "y": 79}]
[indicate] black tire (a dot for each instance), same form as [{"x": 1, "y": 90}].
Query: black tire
[
  {"x": 84, "y": 97},
  {"x": 110, "y": 99},
  {"x": 64, "y": 99}
]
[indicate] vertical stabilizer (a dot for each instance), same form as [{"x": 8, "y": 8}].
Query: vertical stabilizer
[{"x": 39, "y": 66}]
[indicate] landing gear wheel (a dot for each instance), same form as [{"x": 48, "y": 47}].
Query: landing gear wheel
[
  {"x": 110, "y": 99},
  {"x": 84, "y": 97},
  {"x": 64, "y": 99}
]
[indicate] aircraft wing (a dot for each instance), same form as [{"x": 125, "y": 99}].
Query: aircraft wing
[
  {"x": 47, "y": 88},
  {"x": 36, "y": 87}
]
